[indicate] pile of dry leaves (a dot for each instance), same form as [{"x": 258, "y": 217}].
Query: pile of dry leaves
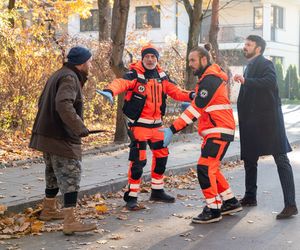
[
  {"x": 14, "y": 147},
  {"x": 27, "y": 223}
]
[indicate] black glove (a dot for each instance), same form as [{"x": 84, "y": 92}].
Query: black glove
[{"x": 84, "y": 133}]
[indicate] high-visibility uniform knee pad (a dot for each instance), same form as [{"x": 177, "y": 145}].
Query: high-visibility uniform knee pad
[
  {"x": 137, "y": 169},
  {"x": 203, "y": 178},
  {"x": 160, "y": 166}
]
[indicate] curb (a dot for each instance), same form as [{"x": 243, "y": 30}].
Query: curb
[{"x": 107, "y": 186}]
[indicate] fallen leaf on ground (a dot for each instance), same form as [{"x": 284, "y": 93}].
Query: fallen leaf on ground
[
  {"x": 138, "y": 229},
  {"x": 122, "y": 217},
  {"x": 102, "y": 242},
  {"x": 115, "y": 237},
  {"x": 3, "y": 208},
  {"x": 102, "y": 208},
  {"x": 37, "y": 226}
]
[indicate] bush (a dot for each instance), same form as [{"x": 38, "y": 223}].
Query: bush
[{"x": 291, "y": 81}]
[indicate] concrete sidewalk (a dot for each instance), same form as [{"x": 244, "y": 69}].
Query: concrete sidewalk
[{"x": 21, "y": 187}]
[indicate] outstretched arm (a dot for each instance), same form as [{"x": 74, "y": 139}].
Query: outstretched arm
[{"x": 177, "y": 93}]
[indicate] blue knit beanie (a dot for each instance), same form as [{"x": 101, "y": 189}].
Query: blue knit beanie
[
  {"x": 149, "y": 49},
  {"x": 78, "y": 55}
]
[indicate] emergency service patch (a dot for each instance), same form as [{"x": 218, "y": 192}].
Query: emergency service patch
[
  {"x": 141, "y": 88},
  {"x": 207, "y": 88},
  {"x": 203, "y": 93}
]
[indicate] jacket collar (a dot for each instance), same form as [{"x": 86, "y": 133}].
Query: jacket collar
[
  {"x": 213, "y": 69},
  {"x": 81, "y": 75},
  {"x": 200, "y": 72}
]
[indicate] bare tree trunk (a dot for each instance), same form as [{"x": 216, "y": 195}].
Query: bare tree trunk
[
  {"x": 213, "y": 38},
  {"x": 214, "y": 30},
  {"x": 118, "y": 35},
  {"x": 104, "y": 9},
  {"x": 11, "y": 51},
  {"x": 195, "y": 17},
  {"x": 11, "y": 6}
]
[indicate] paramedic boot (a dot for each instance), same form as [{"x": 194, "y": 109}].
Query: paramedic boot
[
  {"x": 131, "y": 202},
  {"x": 208, "y": 215},
  {"x": 231, "y": 206},
  {"x": 161, "y": 195}
]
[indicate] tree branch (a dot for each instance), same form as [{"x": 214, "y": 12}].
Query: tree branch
[{"x": 188, "y": 7}]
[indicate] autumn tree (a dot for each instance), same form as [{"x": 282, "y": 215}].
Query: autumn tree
[{"x": 28, "y": 54}]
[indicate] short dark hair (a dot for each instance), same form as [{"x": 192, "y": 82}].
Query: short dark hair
[{"x": 260, "y": 42}]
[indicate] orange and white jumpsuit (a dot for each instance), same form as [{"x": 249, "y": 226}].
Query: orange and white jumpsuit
[
  {"x": 211, "y": 107},
  {"x": 144, "y": 106}
]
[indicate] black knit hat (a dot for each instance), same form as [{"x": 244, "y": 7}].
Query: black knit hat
[
  {"x": 78, "y": 55},
  {"x": 149, "y": 49}
]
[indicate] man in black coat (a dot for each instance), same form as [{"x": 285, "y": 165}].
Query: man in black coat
[{"x": 261, "y": 125}]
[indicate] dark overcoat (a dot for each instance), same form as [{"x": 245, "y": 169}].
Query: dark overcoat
[{"x": 261, "y": 123}]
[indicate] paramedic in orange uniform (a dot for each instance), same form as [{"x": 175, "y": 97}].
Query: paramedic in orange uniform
[
  {"x": 147, "y": 87},
  {"x": 212, "y": 109}
]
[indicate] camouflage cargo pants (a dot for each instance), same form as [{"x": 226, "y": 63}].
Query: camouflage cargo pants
[{"x": 63, "y": 173}]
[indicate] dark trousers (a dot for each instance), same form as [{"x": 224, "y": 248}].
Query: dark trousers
[{"x": 285, "y": 173}]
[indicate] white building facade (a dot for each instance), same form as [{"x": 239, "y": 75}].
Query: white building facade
[{"x": 277, "y": 21}]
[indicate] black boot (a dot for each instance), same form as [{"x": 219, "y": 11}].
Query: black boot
[
  {"x": 287, "y": 212},
  {"x": 208, "y": 215},
  {"x": 231, "y": 206},
  {"x": 160, "y": 195},
  {"x": 131, "y": 202},
  {"x": 248, "y": 202}
]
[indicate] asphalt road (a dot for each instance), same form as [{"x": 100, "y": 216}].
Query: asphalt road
[{"x": 167, "y": 226}]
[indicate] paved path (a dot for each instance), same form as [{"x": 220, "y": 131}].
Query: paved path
[
  {"x": 168, "y": 227},
  {"x": 23, "y": 186}
]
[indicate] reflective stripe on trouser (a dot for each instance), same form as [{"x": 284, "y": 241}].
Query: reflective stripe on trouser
[
  {"x": 154, "y": 138},
  {"x": 211, "y": 180}
]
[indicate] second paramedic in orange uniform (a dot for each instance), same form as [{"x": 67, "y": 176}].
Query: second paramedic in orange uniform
[
  {"x": 146, "y": 86},
  {"x": 212, "y": 109}
]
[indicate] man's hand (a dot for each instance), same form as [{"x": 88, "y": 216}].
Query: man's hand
[
  {"x": 184, "y": 105},
  {"x": 239, "y": 78},
  {"x": 168, "y": 135},
  {"x": 107, "y": 95},
  {"x": 85, "y": 132},
  {"x": 193, "y": 95}
]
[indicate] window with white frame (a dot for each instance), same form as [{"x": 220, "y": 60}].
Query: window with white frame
[
  {"x": 277, "y": 16},
  {"x": 258, "y": 18},
  {"x": 147, "y": 16},
  {"x": 91, "y": 23}
]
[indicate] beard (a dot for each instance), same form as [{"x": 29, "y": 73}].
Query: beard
[
  {"x": 199, "y": 71},
  {"x": 248, "y": 55}
]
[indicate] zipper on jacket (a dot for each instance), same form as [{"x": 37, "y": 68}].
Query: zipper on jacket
[
  {"x": 152, "y": 93},
  {"x": 158, "y": 96},
  {"x": 154, "y": 97}
]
